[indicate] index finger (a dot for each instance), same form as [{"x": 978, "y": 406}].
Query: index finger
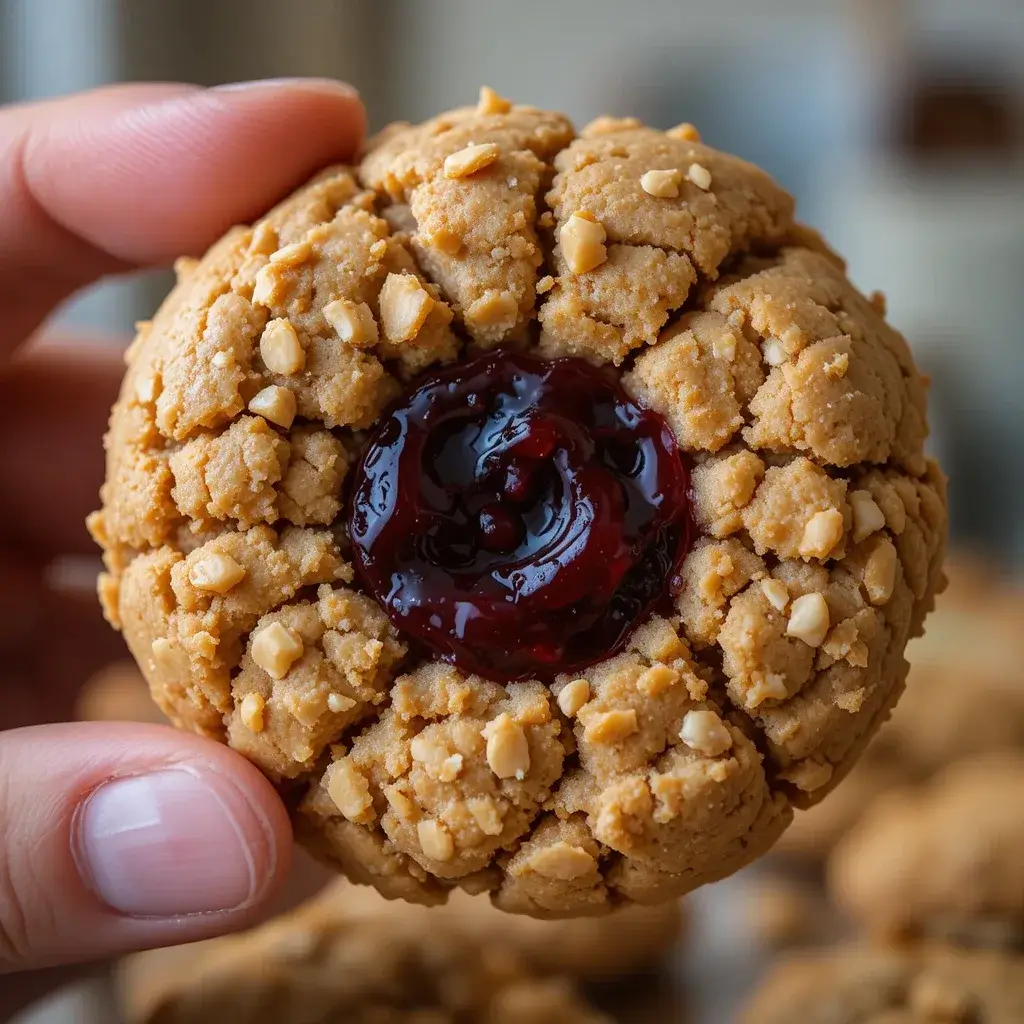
[{"x": 137, "y": 175}]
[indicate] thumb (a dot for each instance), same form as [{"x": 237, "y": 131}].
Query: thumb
[{"x": 120, "y": 836}]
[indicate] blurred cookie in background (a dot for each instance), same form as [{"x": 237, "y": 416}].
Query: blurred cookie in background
[
  {"x": 783, "y": 910},
  {"x": 117, "y": 693},
  {"x": 350, "y": 951},
  {"x": 630, "y": 940},
  {"x": 352, "y": 961},
  {"x": 891, "y": 986},
  {"x": 941, "y": 861},
  {"x": 964, "y": 695}
]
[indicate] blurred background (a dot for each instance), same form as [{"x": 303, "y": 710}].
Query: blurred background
[{"x": 898, "y": 125}]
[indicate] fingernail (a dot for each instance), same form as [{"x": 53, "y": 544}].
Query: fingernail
[
  {"x": 318, "y": 84},
  {"x": 174, "y": 842}
]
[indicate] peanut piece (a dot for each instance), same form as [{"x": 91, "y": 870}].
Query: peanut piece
[
  {"x": 215, "y": 573},
  {"x": 582, "y": 239}
]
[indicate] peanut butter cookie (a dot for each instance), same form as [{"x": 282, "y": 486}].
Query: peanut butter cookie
[
  {"x": 942, "y": 860},
  {"x": 545, "y": 514},
  {"x": 891, "y": 986},
  {"x": 349, "y": 958}
]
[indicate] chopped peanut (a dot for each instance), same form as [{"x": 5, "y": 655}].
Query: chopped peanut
[
  {"x": 446, "y": 241},
  {"x": 275, "y": 648},
  {"x": 777, "y": 593},
  {"x": 470, "y": 160},
  {"x": 292, "y": 255},
  {"x": 773, "y": 352},
  {"x": 276, "y": 404},
  {"x": 339, "y": 704},
  {"x": 685, "y": 131},
  {"x": 880, "y": 572},
  {"x": 582, "y": 239},
  {"x": 573, "y": 696},
  {"x": 611, "y": 726},
  {"x": 487, "y": 815},
  {"x": 705, "y": 732},
  {"x": 399, "y": 802},
  {"x": 435, "y": 840},
  {"x": 700, "y": 176},
  {"x": 724, "y": 348},
  {"x": 808, "y": 775},
  {"x": 450, "y": 768},
  {"x": 251, "y": 711},
  {"x": 655, "y": 680},
  {"x": 215, "y": 573},
  {"x": 349, "y": 790},
  {"x": 562, "y": 861},
  {"x": 495, "y": 309},
  {"x": 808, "y": 619},
  {"x": 264, "y": 239},
  {"x": 353, "y": 322},
  {"x": 824, "y": 530},
  {"x": 508, "y": 752},
  {"x": 280, "y": 348},
  {"x": 491, "y": 103},
  {"x": 661, "y": 184},
  {"x": 264, "y": 287},
  {"x": 404, "y": 307},
  {"x": 771, "y": 686},
  {"x": 867, "y": 516}
]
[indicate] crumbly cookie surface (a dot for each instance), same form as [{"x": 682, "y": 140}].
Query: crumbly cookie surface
[
  {"x": 350, "y": 957},
  {"x": 942, "y": 860},
  {"x": 970, "y": 661},
  {"x": 822, "y": 525},
  {"x": 891, "y": 986}
]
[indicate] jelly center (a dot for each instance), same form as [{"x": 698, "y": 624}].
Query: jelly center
[{"x": 520, "y": 518}]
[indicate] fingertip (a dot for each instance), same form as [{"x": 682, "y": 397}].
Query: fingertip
[{"x": 180, "y": 165}]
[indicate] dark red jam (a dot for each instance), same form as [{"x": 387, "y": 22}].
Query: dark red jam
[{"x": 519, "y": 518}]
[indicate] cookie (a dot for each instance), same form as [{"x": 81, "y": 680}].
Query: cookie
[
  {"x": 891, "y": 986},
  {"x": 943, "y": 860},
  {"x": 545, "y": 514},
  {"x": 350, "y": 956},
  {"x": 970, "y": 661},
  {"x": 633, "y": 939}
]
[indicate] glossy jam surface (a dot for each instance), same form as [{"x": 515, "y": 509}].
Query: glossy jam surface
[{"x": 518, "y": 517}]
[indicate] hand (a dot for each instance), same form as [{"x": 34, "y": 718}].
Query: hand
[{"x": 116, "y": 836}]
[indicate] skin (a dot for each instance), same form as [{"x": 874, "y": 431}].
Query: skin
[{"x": 90, "y": 185}]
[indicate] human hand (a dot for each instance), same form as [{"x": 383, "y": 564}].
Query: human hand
[{"x": 116, "y": 836}]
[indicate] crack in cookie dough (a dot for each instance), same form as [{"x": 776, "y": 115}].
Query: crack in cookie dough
[{"x": 822, "y": 524}]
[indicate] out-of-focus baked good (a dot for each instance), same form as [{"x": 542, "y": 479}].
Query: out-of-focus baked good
[
  {"x": 944, "y": 860},
  {"x": 891, "y": 986},
  {"x": 359, "y": 961}
]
